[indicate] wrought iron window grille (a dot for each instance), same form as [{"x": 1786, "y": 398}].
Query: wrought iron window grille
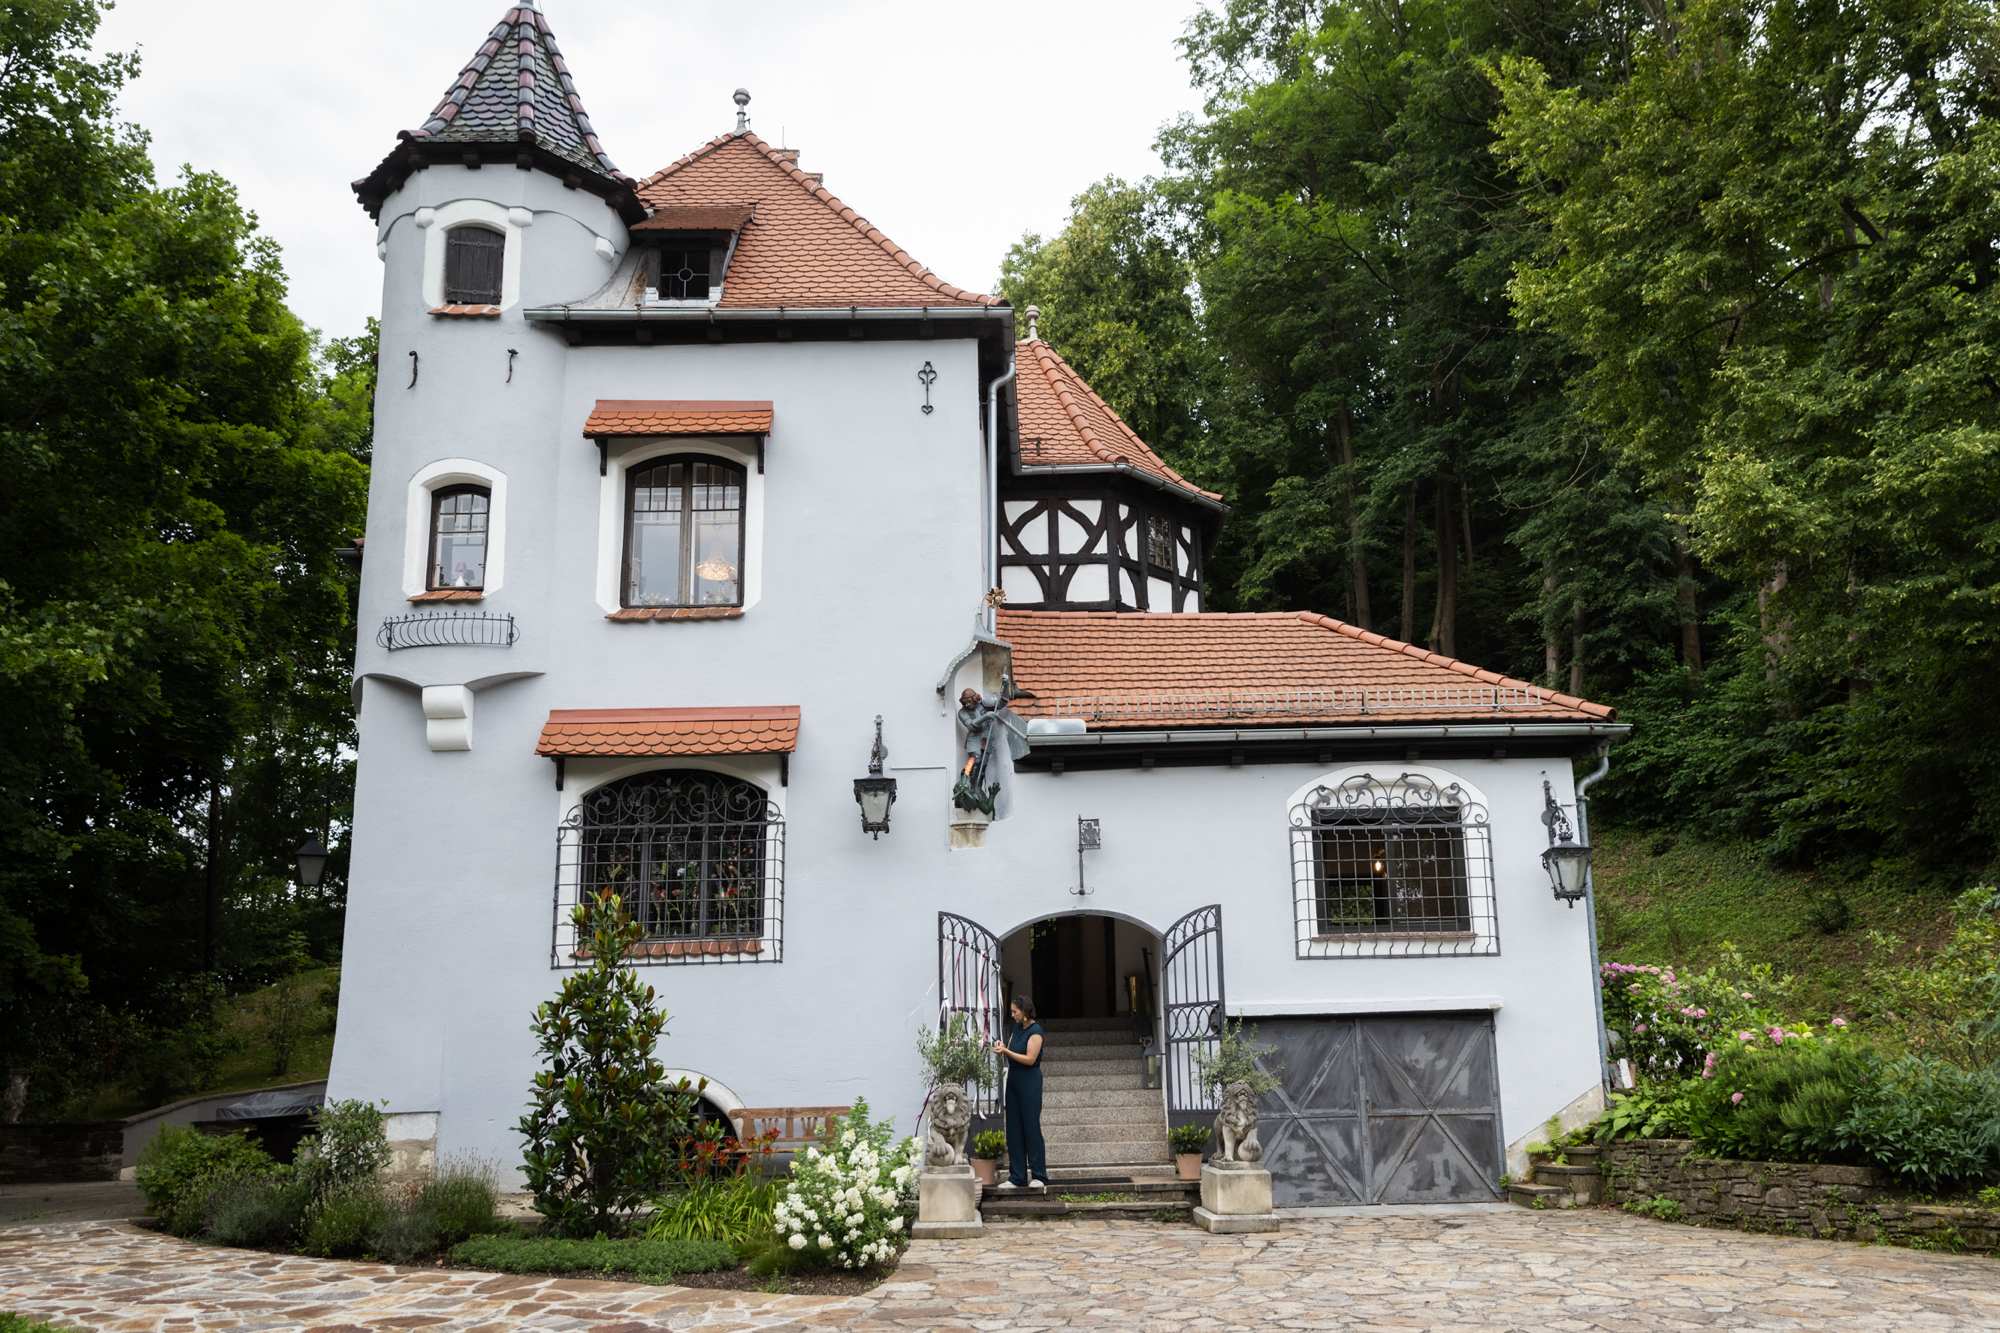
[
  {"x": 697, "y": 857},
  {"x": 448, "y": 629},
  {"x": 1396, "y": 869}
]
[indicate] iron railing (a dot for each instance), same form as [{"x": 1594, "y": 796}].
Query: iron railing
[
  {"x": 1392, "y": 870},
  {"x": 1194, "y": 1005},
  {"x": 969, "y": 984},
  {"x": 697, "y": 858},
  {"x": 1214, "y": 704},
  {"x": 447, "y": 629}
]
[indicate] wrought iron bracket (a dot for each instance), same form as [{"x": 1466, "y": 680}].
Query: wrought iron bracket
[
  {"x": 928, "y": 377},
  {"x": 1089, "y": 838}
]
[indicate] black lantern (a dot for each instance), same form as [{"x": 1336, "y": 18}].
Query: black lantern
[
  {"x": 875, "y": 793},
  {"x": 1151, "y": 1055},
  {"x": 1566, "y": 860},
  {"x": 312, "y": 863}
]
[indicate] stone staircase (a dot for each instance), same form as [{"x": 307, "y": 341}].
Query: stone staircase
[{"x": 1098, "y": 1118}]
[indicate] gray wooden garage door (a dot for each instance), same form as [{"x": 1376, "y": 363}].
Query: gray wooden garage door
[{"x": 1400, "y": 1108}]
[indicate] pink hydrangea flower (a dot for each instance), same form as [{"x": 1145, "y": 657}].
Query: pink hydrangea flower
[
  {"x": 1640, "y": 1028},
  {"x": 1840, "y": 1022},
  {"x": 1735, "y": 1097}
]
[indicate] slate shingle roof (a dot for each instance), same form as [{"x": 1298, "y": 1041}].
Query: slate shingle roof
[
  {"x": 1134, "y": 670},
  {"x": 670, "y": 731},
  {"x": 516, "y": 89},
  {"x": 677, "y": 416},
  {"x": 804, "y": 248},
  {"x": 1065, "y": 424}
]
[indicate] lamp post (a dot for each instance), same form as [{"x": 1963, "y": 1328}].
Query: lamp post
[
  {"x": 1566, "y": 861},
  {"x": 875, "y": 793},
  {"x": 311, "y": 858}
]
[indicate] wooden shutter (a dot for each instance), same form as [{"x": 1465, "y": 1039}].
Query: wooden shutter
[{"x": 472, "y": 258}]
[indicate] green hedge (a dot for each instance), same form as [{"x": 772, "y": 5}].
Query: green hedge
[
  {"x": 646, "y": 1260},
  {"x": 14, "y": 1323}
]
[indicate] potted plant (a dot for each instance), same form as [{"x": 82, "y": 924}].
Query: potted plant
[
  {"x": 957, "y": 1055},
  {"x": 1190, "y": 1142},
  {"x": 987, "y": 1150}
]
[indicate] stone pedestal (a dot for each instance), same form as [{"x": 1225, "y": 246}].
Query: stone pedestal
[
  {"x": 947, "y": 1204},
  {"x": 1235, "y": 1198},
  {"x": 968, "y": 829}
]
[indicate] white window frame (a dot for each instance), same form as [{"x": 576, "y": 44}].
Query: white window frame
[
  {"x": 622, "y": 457},
  {"x": 509, "y": 222},
  {"x": 432, "y": 478}
]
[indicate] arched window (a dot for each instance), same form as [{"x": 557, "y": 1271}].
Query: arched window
[
  {"x": 697, "y": 857},
  {"x": 459, "y": 517},
  {"x": 472, "y": 264},
  {"x": 684, "y": 533}
]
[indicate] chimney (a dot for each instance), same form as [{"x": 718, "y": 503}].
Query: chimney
[
  {"x": 790, "y": 155},
  {"x": 816, "y": 177}
]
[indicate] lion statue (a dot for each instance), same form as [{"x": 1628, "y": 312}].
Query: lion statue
[
  {"x": 1236, "y": 1126},
  {"x": 951, "y": 1117}
]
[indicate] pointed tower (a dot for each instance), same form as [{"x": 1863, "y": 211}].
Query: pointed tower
[{"x": 514, "y": 102}]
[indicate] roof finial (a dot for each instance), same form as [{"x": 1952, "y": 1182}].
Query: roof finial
[
  {"x": 742, "y": 99},
  {"x": 1034, "y": 313}
]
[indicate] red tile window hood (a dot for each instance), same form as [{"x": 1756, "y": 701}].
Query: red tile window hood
[
  {"x": 677, "y": 416},
  {"x": 670, "y": 731}
]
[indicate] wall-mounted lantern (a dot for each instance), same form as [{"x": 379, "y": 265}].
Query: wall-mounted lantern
[
  {"x": 311, "y": 858},
  {"x": 1089, "y": 838},
  {"x": 875, "y": 793},
  {"x": 1566, "y": 860},
  {"x": 1152, "y": 1057}
]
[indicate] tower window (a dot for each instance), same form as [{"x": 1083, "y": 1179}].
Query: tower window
[
  {"x": 684, "y": 275},
  {"x": 684, "y": 534},
  {"x": 458, "y": 537},
  {"x": 472, "y": 263}
]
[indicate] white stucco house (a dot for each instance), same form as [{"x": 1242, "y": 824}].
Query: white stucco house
[{"x": 681, "y": 483}]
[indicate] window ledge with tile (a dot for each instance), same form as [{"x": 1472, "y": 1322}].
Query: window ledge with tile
[
  {"x": 467, "y": 311},
  {"x": 677, "y": 613},
  {"x": 450, "y": 595}
]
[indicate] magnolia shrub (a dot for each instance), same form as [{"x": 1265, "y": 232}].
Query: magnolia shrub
[{"x": 847, "y": 1204}]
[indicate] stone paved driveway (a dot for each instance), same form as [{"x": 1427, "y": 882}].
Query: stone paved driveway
[{"x": 1516, "y": 1270}]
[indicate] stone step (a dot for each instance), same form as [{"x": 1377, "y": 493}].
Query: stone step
[
  {"x": 1122, "y": 1024},
  {"x": 1539, "y": 1196},
  {"x": 1134, "y": 1081},
  {"x": 1113, "y": 1175},
  {"x": 1081, "y": 1154},
  {"x": 1055, "y": 1047},
  {"x": 1148, "y": 1117},
  {"x": 1086, "y": 1067},
  {"x": 1155, "y": 1135},
  {"x": 1069, "y": 1095}
]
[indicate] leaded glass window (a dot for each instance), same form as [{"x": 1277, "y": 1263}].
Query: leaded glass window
[
  {"x": 459, "y": 515},
  {"x": 684, "y": 275},
  {"x": 684, "y": 534}
]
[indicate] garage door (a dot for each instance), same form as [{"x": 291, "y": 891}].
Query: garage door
[{"x": 1398, "y": 1108}]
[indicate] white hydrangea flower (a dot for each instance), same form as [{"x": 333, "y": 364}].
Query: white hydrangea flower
[
  {"x": 797, "y": 1242},
  {"x": 826, "y": 1242},
  {"x": 895, "y": 1224}
]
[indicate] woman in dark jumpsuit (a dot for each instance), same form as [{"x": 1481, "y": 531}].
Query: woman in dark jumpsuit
[{"x": 1027, "y": 1159}]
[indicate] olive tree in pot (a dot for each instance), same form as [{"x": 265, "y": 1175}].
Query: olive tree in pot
[
  {"x": 956, "y": 1054},
  {"x": 1235, "y": 1058}
]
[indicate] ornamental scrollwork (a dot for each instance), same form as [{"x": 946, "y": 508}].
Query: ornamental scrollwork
[
  {"x": 676, "y": 798},
  {"x": 1366, "y": 799}
]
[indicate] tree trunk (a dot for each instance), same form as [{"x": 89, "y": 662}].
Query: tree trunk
[
  {"x": 1684, "y": 593},
  {"x": 1444, "y": 628},
  {"x": 1465, "y": 515},
  {"x": 1364, "y": 616},
  {"x": 1407, "y": 631},
  {"x": 1576, "y": 647},
  {"x": 1778, "y": 637},
  {"x": 1551, "y": 640}
]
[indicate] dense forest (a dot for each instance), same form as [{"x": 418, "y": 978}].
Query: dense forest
[{"x": 1644, "y": 350}]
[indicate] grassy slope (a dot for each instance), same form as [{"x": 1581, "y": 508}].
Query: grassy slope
[
  {"x": 1665, "y": 900},
  {"x": 249, "y": 1066}
]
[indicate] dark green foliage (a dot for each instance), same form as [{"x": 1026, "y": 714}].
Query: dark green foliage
[
  {"x": 642, "y": 1260},
  {"x": 255, "y": 1212},
  {"x": 14, "y": 1323},
  {"x": 178, "y": 1166},
  {"x": 1934, "y": 1125},
  {"x": 348, "y": 1145},
  {"x": 458, "y": 1201},
  {"x": 990, "y": 1145},
  {"x": 1189, "y": 1138},
  {"x": 602, "y": 1130},
  {"x": 348, "y": 1221}
]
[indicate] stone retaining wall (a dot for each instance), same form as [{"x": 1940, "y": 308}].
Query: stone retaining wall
[
  {"x": 1831, "y": 1202},
  {"x": 41, "y": 1153}
]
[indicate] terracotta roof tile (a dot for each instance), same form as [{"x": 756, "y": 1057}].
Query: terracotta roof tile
[
  {"x": 1065, "y": 424},
  {"x": 804, "y": 248},
  {"x": 697, "y": 217},
  {"x": 677, "y": 416},
  {"x": 668, "y": 731},
  {"x": 1132, "y": 670}
]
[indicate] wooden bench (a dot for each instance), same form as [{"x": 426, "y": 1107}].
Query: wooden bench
[{"x": 793, "y": 1127}]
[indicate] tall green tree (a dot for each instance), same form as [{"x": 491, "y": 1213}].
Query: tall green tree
[
  {"x": 179, "y": 477},
  {"x": 1775, "y": 247}
]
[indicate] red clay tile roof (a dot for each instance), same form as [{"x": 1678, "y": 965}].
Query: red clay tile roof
[
  {"x": 1065, "y": 424},
  {"x": 659, "y": 731},
  {"x": 697, "y": 217},
  {"x": 516, "y": 89},
  {"x": 677, "y": 416},
  {"x": 1132, "y": 670},
  {"x": 804, "y": 248}
]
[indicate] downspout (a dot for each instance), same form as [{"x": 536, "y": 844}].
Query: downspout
[
  {"x": 990, "y": 557},
  {"x": 1590, "y": 916}
]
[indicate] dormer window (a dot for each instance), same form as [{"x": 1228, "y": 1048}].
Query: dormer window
[
  {"x": 458, "y": 538},
  {"x": 684, "y": 274},
  {"x": 472, "y": 265},
  {"x": 684, "y": 533}
]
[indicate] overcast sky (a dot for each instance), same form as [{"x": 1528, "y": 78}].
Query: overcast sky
[{"x": 953, "y": 127}]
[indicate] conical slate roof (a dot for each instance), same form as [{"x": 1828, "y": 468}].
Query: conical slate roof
[{"x": 515, "y": 99}]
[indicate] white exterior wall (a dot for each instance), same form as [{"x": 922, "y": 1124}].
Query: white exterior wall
[{"x": 868, "y": 576}]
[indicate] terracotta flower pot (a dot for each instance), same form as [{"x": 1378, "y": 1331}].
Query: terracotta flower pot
[
  {"x": 983, "y": 1167},
  {"x": 1189, "y": 1164}
]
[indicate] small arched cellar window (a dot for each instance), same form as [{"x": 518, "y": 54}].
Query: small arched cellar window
[
  {"x": 472, "y": 265},
  {"x": 684, "y": 533},
  {"x": 697, "y": 858},
  {"x": 459, "y": 516}
]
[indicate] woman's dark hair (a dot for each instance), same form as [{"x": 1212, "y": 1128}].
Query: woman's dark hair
[{"x": 1025, "y": 1005}]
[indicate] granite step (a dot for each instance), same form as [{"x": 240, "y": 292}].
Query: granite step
[
  {"x": 1087, "y": 1065},
  {"x": 1141, "y": 1116},
  {"x": 1098, "y": 1132},
  {"x": 1133, "y": 1081},
  {"x": 1085, "y": 1154},
  {"x": 1123, "y": 1024},
  {"x": 1096, "y": 1043},
  {"x": 1068, "y": 1096}
]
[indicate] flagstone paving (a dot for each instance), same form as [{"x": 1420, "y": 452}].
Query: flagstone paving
[{"x": 1585, "y": 1270}]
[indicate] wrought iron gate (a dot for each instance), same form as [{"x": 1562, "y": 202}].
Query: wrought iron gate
[
  {"x": 969, "y": 984},
  {"x": 1193, "y": 1008}
]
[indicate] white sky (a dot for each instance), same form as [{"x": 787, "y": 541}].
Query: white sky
[{"x": 952, "y": 127}]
